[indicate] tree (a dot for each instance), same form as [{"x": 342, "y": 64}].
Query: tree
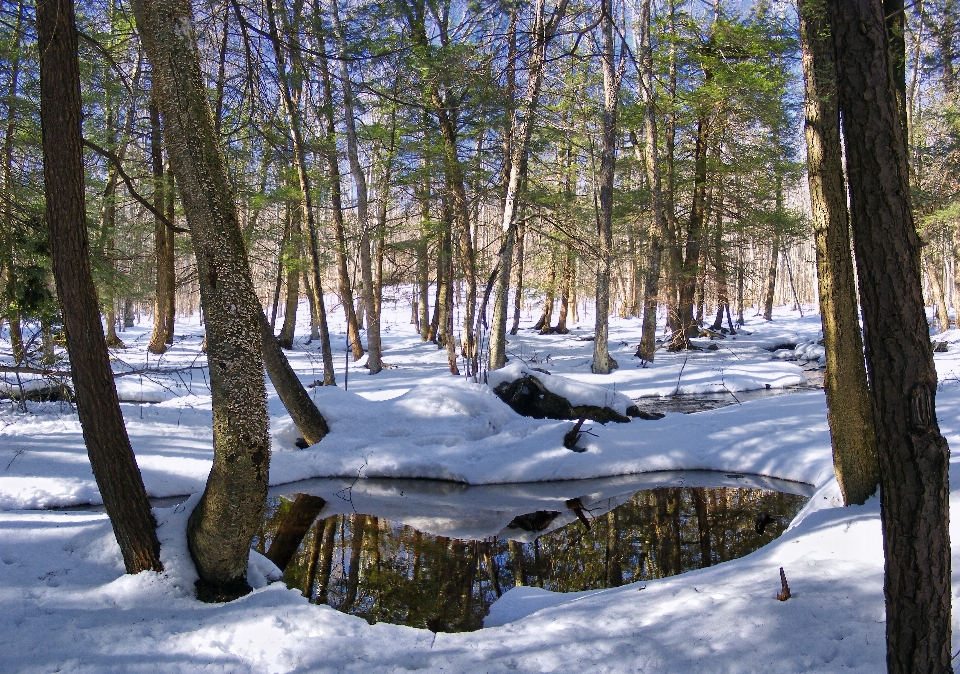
[
  {"x": 848, "y": 402},
  {"x": 111, "y": 456},
  {"x": 603, "y": 362},
  {"x": 228, "y": 515},
  {"x": 914, "y": 489}
]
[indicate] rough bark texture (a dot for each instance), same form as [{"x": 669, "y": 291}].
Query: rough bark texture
[
  {"x": 228, "y": 515},
  {"x": 108, "y": 446},
  {"x": 913, "y": 453},
  {"x": 848, "y": 398}
]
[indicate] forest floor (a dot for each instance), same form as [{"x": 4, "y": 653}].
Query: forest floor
[{"x": 66, "y": 606}]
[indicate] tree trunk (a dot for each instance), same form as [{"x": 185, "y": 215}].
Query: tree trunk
[
  {"x": 651, "y": 163},
  {"x": 903, "y": 380},
  {"x": 291, "y": 260},
  {"x": 518, "y": 288},
  {"x": 228, "y": 515},
  {"x": 306, "y": 417},
  {"x": 566, "y": 285},
  {"x": 520, "y": 133},
  {"x": 603, "y": 363},
  {"x": 690, "y": 270},
  {"x": 163, "y": 304},
  {"x": 771, "y": 279},
  {"x": 108, "y": 446},
  {"x": 360, "y": 182},
  {"x": 848, "y": 398},
  {"x": 292, "y": 111}
]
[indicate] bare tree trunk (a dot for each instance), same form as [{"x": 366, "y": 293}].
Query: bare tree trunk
[
  {"x": 849, "y": 413},
  {"x": 108, "y": 446},
  {"x": 291, "y": 260},
  {"x": 292, "y": 110},
  {"x": 228, "y": 515},
  {"x": 163, "y": 304},
  {"x": 566, "y": 285},
  {"x": 521, "y": 131},
  {"x": 518, "y": 289},
  {"x": 771, "y": 279},
  {"x": 333, "y": 174},
  {"x": 603, "y": 363},
  {"x": 914, "y": 457},
  {"x": 360, "y": 182}
]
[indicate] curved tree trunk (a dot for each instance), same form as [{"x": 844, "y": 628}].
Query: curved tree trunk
[
  {"x": 108, "y": 446},
  {"x": 228, "y": 515},
  {"x": 914, "y": 457},
  {"x": 848, "y": 399}
]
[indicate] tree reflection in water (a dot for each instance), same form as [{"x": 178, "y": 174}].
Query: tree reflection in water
[{"x": 385, "y": 571}]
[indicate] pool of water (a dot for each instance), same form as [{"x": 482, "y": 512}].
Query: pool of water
[{"x": 435, "y": 555}]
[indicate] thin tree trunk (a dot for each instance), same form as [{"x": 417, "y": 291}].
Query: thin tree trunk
[
  {"x": 163, "y": 304},
  {"x": 291, "y": 260},
  {"x": 603, "y": 362},
  {"x": 651, "y": 161},
  {"x": 292, "y": 111},
  {"x": 360, "y": 182},
  {"x": 111, "y": 456},
  {"x": 518, "y": 288},
  {"x": 914, "y": 457},
  {"x": 771, "y": 279},
  {"x": 521, "y": 131}
]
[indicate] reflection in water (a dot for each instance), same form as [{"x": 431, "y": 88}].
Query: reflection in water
[{"x": 385, "y": 571}]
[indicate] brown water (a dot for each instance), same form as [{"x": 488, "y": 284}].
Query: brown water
[{"x": 390, "y": 569}]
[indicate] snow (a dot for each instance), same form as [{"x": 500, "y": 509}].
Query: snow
[{"x": 66, "y": 605}]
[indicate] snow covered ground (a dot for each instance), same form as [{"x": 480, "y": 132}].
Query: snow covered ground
[{"x": 65, "y": 604}]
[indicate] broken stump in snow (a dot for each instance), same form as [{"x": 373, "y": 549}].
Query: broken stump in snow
[{"x": 784, "y": 588}]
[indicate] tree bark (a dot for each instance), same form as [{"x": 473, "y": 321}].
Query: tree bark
[
  {"x": 848, "y": 398},
  {"x": 164, "y": 298},
  {"x": 903, "y": 381},
  {"x": 771, "y": 279},
  {"x": 228, "y": 515},
  {"x": 108, "y": 446},
  {"x": 602, "y": 362}
]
